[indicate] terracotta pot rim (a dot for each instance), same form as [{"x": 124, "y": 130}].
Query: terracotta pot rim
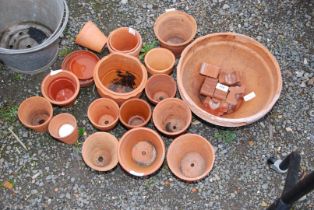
[
  {"x": 177, "y": 12},
  {"x": 26, "y": 101},
  {"x": 72, "y": 56},
  {"x": 163, "y": 71},
  {"x": 90, "y": 138},
  {"x": 89, "y": 110},
  {"x": 57, "y": 116},
  {"x": 209, "y": 168},
  {"x": 130, "y": 101},
  {"x": 220, "y": 121},
  {"x": 68, "y": 101},
  {"x": 158, "y": 75},
  {"x": 113, "y": 94},
  {"x": 170, "y": 100},
  {"x": 146, "y": 130},
  {"x": 112, "y": 33}
]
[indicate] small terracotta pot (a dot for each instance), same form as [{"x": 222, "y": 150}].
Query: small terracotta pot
[
  {"x": 175, "y": 30},
  {"x": 159, "y": 87},
  {"x": 103, "y": 113},
  {"x": 63, "y": 127},
  {"x": 172, "y": 116},
  {"x": 91, "y": 37},
  {"x": 100, "y": 151},
  {"x": 120, "y": 77},
  {"x": 141, "y": 151},
  {"x": 159, "y": 61},
  {"x": 125, "y": 40},
  {"x": 82, "y": 64},
  {"x": 190, "y": 157},
  {"x": 60, "y": 87},
  {"x": 35, "y": 113},
  {"x": 135, "y": 113}
]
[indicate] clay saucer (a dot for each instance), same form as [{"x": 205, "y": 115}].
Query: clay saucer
[{"x": 81, "y": 63}]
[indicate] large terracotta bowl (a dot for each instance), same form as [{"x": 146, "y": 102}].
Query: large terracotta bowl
[{"x": 231, "y": 51}]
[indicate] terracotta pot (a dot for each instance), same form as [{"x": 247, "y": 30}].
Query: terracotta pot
[
  {"x": 159, "y": 61},
  {"x": 172, "y": 116},
  {"x": 63, "y": 127},
  {"x": 100, "y": 151},
  {"x": 231, "y": 52},
  {"x": 120, "y": 77},
  {"x": 91, "y": 37},
  {"x": 103, "y": 113},
  {"x": 175, "y": 30},
  {"x": 141, "y": 151},
  {"x": 125, "y": 40},
  {"x": 60, "y": 87},
  {"x": 190, "y": 157},
  {"x": 135, "y": 113},
  {"x": 82, "y": 64},
  {"x": 35, "y": 113},
  {"x": 159, "y": 87}
]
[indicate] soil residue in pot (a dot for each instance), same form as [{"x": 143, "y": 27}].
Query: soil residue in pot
[{"x": 120, "y": 81}]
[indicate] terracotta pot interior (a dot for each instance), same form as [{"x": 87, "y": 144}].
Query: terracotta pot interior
[
  {"x": 120, "y": 74},
  {"x": 135, "y": 112},
  {"x": 141, "y": 151},
  {"x": 159, "y": 59},
  {"x": 62, "y": 125},
  {"x": 190, "y": 157},
  {"x": 103, "y": 112},
  {"x": 160, "y": 87},
  {"x": 61, "y": 88},
  {"x": 232, "y": 54},
  {"x": 175, "y": 29},
  {"x": 172, "y": 117},
  {"x": 123, "y": 40}
]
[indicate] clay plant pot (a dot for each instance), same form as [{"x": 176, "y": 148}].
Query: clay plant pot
[
  {"x": 159, "y": 61},
  {"x": 91, "y": 37},
  {"x": 120, "y": 77},
  {"x": 103, "y": 113},
  {"x": 159, "y": 87},
  {"x": 135, "y": 113},
  {"x": 231, "y": 52},
  {"x": 175, "y": 30},
  {"x": 141, "y": 151},
  {"x": 172, "y": 116},
  {"x": 63, "y": 127},
  {"x": 100, "y": 151},
  {"x": 190, "y": 157},
  {"x": 82, "y": 64},
  {"x": 35, "y": 113},
  {"x": 125, "y": 40},
  {"x": 60, "y": 87}
]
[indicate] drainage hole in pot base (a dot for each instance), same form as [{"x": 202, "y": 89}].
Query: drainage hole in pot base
[
  {"x": 39, "y": 119},
  {"x": 105, "y": 120},
  {"x": 119, "y": 81},
  {"x": 174, "y": 125},
  {"x": 24, "y": 35},
  {"x": 65, "y": 130},
  {"x": 175, "y": 40},
  {"x": 102, "y": 159},
  {"x": 61, "y": 89},
  {"x": 144, "y": 153},
  {"x": 159, "y": 96},
  {"x": 192, "y": 165},
  {"x": 136, "y": 120}
]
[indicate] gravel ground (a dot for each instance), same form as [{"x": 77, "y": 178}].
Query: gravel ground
[{"x": 52, "y": 175}]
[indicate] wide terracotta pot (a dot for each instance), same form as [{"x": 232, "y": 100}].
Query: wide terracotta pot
[
  {"x": 35, "y": 113},
  {"x": 120, "y": 77},
  {"x": 175, "y": 30},
  {"x": 103, "y": 113},
  {"x": 159, "y": 87},
  {"x": 82, "y": 64},
  {"x": 172, "y": 116},
  {"x": 91, "y": 37},
  {"x": 190, "y": 157},
  {"x": 60, "y": 87},
  {"x": 125, "y": 40},
  {"x": 63, "y": 127},
  {"x": 100, "y": 151},
  {"x": 135, "y": 113},
  {"x": 141, "y": 151},
  {"x": 231, "y": 51},
  {"x": 159, "y": 61}
]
